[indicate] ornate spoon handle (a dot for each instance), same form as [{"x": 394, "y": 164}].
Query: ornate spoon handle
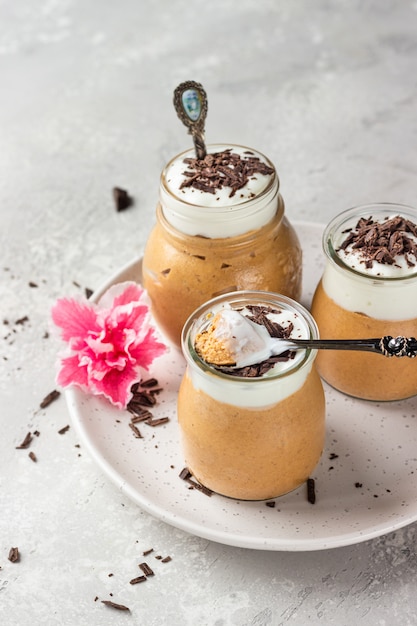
[
  {"x": 190, "y": 102},
  {"x": 388, "y": 346}
]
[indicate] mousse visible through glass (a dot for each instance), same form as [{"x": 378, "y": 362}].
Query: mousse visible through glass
[
  {"x": 216, "y": 239},
  {"x": 257, "y": 432},
  {"x": 369, "y": 289}
]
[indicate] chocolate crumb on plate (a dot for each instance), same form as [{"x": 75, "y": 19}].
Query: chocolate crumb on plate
[
  {"x": 32, "y": 457},
  {"x": 311, "y": 490},
  {"x": 157, "y": 422},
  {"x": 122, "y": 199},
  {"x": 166, "y": 559},
  {"x": 32, "y": 284},
  {"x": 270, "y": 503},
  {"x": 135, "y": 431},
  {"x": 186, "y": 475},
  {"x": 14, "y": 555},
  {"x": 63, "y": 430},
  {"x": 48, "y": 399},
  {"x": 146, "y": 552},
  {"x": 88, "y": 292},
  {"x": 114, "y": 605}
]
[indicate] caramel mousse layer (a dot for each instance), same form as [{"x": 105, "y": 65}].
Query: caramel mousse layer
[
  {"x": 252, "y": 454},
  {"x": 182, "y": 272},
  {"x": 365, "y": 375}
]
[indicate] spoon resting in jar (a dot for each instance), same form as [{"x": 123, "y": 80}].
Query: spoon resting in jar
[{"x": 233, "y": 340}]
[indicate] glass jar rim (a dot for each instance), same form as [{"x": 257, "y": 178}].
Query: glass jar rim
[
  {"x": 241, "y": 298},
  {"x": 366, "y": 210}
]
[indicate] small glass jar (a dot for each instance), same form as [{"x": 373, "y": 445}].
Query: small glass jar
[
  {"x": 196, "y": 251},
  {"x": 353, "y": 303},
  {"x": 251, "y": 438}
]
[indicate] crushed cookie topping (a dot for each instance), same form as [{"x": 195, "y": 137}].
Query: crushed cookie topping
[
  {"x": 223, "y": 169},
  {"x": 383, "y": 242}
]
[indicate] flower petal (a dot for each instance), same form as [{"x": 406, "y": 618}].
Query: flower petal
[
  {"x": 148, "y": 349},
  {"x": 115, "y": 386},
  {"x": 75, "y": 318},
  {"x": 72, "y": 372},
  {"x": 121, "y": 294}
]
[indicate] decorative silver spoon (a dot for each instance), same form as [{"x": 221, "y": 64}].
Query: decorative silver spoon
[
  {"x": 244, "y": 342},
  {"x": 190, "y": 102}
]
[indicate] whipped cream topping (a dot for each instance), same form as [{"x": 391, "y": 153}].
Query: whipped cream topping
[
  {"x": 221, "y": 211},
  {"x": 284, "y": 377},
  {"x": 385, "y": 289}
]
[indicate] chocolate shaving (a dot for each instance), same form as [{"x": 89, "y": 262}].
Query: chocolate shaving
[
  {"x": 186, "y": 475},
  {"x": 63, "y": 430},
  {"x": 53, "y": 395},
  {"x": 138, "y": 579},
  {"x": 140, "y": 416},
  {"x": 157, "y": 422},
  {"x": 25, "y": 443},
  {"x": 122, "y": 199},
  {"x": 22, "y": 320},
  {"x": 113, "y": 605},
  {"x": 166, "y": 559},
  {"x": 311, "y": 490},
  {"x": 14, "y": 555},
  {"x": 32, "y": 457},
  {"x": 136, "y": 431},
  {"x": 223, "y": 169},
  {"x": 146, "y": 569},
  {"x": 150, "y": 382},
  {"x": 383, "y": 242}
]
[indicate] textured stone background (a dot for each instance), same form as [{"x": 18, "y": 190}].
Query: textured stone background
[{"x": 328, "y": 91}]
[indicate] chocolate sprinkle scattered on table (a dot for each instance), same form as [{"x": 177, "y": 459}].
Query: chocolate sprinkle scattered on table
[
  {"x": 383, "y": 242},
  {"x": 223, "y": 169},
  {"x": 146, "y": 569},
  {"x": 113, "y": 605},
  {"x": 25, "y": 443},
  {"x": 122, "y": 199},
  {"x": 14, "y": 555},
  {"x": 51, "y": 397},
  {"x": 138, "y": 579},
  {"x": 63, "y": 430},
  {"x": 32, "y": 457}
]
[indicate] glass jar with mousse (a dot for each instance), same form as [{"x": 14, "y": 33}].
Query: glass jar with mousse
[
  {"x": 220, "y": 228},
  {"x": 369, "y": 289},
  {"x": 250, "y": 432}
]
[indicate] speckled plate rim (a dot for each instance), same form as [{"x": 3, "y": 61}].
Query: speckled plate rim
[{"x": 366, "y": 481}]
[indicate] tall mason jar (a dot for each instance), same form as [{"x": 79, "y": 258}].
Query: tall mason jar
[
  {"x": 208, "y": 241},
  {"x": 252, "y": 438},
  {"x": 359, "y": 298}
]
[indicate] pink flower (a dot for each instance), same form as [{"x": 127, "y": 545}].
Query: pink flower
[{"x": 108, "y": 342}]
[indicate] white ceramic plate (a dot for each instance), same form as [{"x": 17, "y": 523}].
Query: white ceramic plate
[{"x": 366, "y": 482}]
